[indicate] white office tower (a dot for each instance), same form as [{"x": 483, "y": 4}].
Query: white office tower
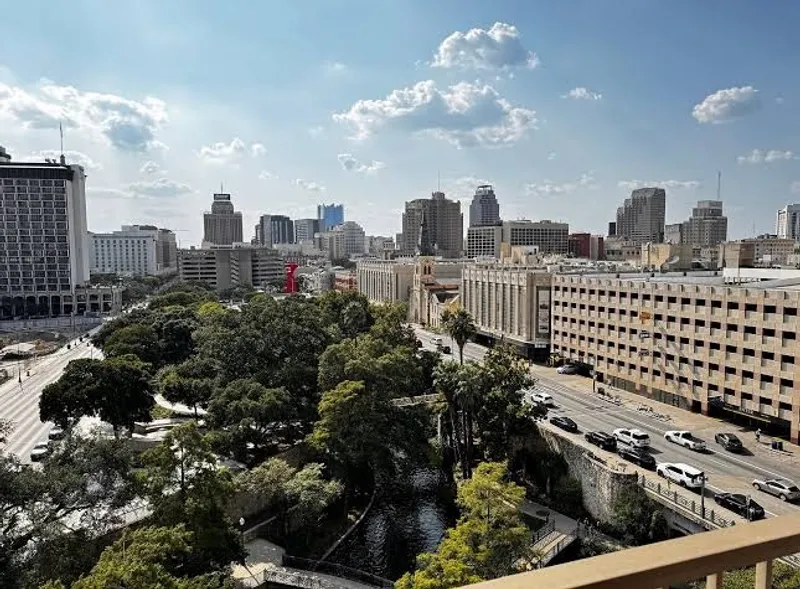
[
  {"x": 136, "y": 250},
  {"x": 44, "y": 251},
  {"x": 788, "y": 224}
]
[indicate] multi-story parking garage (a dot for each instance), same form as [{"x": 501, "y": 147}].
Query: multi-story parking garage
[{"x": 690, "y": 341}]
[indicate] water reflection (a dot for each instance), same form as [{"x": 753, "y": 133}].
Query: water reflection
[{"x": 405, "y": 521}]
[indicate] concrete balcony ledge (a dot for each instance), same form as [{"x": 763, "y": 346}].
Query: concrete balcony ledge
[{"x": 701, "y": 556}]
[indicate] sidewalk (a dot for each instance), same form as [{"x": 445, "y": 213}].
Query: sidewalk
[{"x": 705, "y": 427}]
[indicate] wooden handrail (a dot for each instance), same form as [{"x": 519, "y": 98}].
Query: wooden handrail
[{"x": 672, "y": 561}]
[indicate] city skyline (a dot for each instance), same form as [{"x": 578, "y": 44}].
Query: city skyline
[{"x": 552, "y": 113}]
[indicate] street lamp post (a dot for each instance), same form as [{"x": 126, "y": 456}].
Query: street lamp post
[
  {"x": 703, "y": 497},
  {"x": 241, "y": 531}
]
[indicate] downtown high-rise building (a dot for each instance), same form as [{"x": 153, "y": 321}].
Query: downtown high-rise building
[
  {"x": 433, "y": 226},
  {"x": 305, "y": 229},
  {"x": 274, "y": 229},
  {"x": 44, "y": 242},
  {"x": 330, "y": 216},
  {"x": 787, "y": 225},
  {"x": 707, "y": 227},
  {"x": 223, "y": 225},
  {"x": 641, "y": 218},
  {"x": 484, "y": 209},
  {"x": 136, "y": 250}
]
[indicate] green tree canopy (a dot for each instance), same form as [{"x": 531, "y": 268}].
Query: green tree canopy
[
  {"x": 146, "y": 558},
  {"x": 185, "y": 484},
  {"x": 117, "y": 390},
  {"x": 637, "y": 519},
  {"x": 138, "y": 339},
  {"x": 252, "y": 420},
  {"x": 489, "y": 540},
  {"x": 460, "y": 326}
]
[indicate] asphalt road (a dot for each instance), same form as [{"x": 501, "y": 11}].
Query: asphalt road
[
  {"x": 725, "y": 471},
  {"x": 19, "y": 403}
]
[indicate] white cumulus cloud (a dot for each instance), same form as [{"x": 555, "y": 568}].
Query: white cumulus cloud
[
  {"x": 582, "y": 94},
  {"x": 666, "y": 184},
  {"x": 550, "y": 188},
  {"x": 726, "y": 105},
  {"x": 351, "y": 164},
  {"x": 267, "y": 175},
  {"x": 72, "y": 157},
  {"x": 308, "y": 185},
  {"x": 765, "y": 157},
  {"x": 159, "y": 188},
  {"x": 465, "y": 115},
  {"x": 221, "y": 153},
  {"x": 551, "y": 156},
  {"x": 149, "y": 168},
  {"x": 498, "y": 48},
  {"x": 125, "y": 124}
]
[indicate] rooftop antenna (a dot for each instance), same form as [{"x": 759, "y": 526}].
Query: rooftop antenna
[
  {"x": 61, "y": 134},
  {"x": 719, "y": 184},
  {"x": 438, "y": 180}
]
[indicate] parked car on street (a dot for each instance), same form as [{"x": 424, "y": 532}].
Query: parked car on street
[
  {"x": 40, "y": 451},
  {"x": 683, "y": 474},
  {"x": 601, "y": 440},
  {"x": 741, "y": 505},
  {"x": 638, "y": 456},
  {"x": 544, "y": 399},
  {"x": 56, "y": 433},
  {"x": 730, "y": 442},
  {"x": 631, "y": 437},
  {"x": 567, "y": 369},
  {"x": 686, "y": 439},
  {"x": 564, "y": 423},
  {"x": 781, "y": 488}
]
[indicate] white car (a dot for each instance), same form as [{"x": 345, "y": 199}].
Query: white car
[
  {"x": 683, "y": 474},
  {"x": 543, "y": 399},
  {"x": 631, "y": 437},
  {"x": 436, "y": 340},
  {"x": 567, "y": 369},
  {"x": 40, "y": 451},
  {"x": 781, "y": 488},
  {"x": 686, "y": 439}
]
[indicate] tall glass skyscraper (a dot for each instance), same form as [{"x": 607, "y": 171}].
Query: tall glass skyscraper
[{"x": 330, "y": 216}]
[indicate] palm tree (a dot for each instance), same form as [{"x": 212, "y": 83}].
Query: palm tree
[{"x": 459, "y": 326}]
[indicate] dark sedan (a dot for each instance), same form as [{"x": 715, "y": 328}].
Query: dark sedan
[
  {"x": 601, "y": 440},
  {"x": 741, "y": 505},
  {"x": 638, "y": 456},
  {"x": 730, "y": 442},
  {"x": 564, "y": 423}
]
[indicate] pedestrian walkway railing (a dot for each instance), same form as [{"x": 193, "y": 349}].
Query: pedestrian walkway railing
[
  {"x": 546, "y": 529},
  {"x": 696, "y": 506},
  {"x": 336, "y": 570},
  {"x": 554, "y": 551}
]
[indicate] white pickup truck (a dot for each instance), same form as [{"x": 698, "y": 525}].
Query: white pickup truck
[{"x": 685, "y": 439}]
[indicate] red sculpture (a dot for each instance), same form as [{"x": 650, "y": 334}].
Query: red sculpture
[{"x": 291, "y": 281}]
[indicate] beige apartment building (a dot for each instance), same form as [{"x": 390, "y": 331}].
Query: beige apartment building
[
  {"x": 689, "y": 341},
  {"x": 385, "y": 281},
  {"x": 510, "y": 301}
]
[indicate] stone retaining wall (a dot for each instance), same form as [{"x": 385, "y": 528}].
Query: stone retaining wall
[{"x": 602, "y": 482}]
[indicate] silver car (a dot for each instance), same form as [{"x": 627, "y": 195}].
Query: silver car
[
  {"x": 786, "y": 490},
  {"x": 40, "y": 451}
]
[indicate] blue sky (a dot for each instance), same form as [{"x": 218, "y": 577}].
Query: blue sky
[{"x": 563, "y": 105}]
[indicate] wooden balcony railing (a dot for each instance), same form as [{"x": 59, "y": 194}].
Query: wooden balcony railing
[{"x": 701, "y": 556}]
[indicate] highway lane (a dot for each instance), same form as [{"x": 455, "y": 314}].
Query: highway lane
[
  {"x": 19, "y": 403},
  {"x": 725, "y": 471}
]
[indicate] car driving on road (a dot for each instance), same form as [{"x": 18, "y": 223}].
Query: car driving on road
[
  {"x": 730, "y": 442},
  {"x": 686, "y": 439},
  {"x": 781, "y": 488},
  {"x": 683, "y": 474},
  {"x": 631, "y": 437},
  {"x": 564, "y": 423},
  {"x": 601, "y": 440},
  {"x": 543, "y": 399},
  {"x": 567, "y": 369},
  {"x": 638, "y": 456},
  {"x": 741, "y": 505}
]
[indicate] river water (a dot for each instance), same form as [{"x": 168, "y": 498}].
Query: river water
[{"x": 404, "y": 521}]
